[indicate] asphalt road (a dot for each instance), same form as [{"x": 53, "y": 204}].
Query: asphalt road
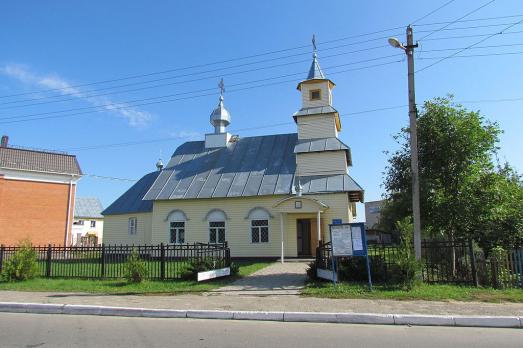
[{"x": 40, "y": 330}]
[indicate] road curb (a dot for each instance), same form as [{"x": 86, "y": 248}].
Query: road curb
[{"x": 313, "y": 317}]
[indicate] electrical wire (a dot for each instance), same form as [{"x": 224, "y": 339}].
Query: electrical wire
[{"x": 433, "y": 11}]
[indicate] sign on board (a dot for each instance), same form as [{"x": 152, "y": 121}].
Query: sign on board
[{"x": 348, "y": 240}]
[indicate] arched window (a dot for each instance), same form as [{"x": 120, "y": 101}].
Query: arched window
[
  {"x": 176, "y": 221},
  {"x": 216, "y": 219},
  {"x": 259, "y": 218}
]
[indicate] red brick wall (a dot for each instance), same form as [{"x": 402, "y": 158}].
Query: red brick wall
[{"x": 34, "y": 210}]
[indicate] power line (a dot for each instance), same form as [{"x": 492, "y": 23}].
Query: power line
[
  {"x": 172, "y": 83},
  {"x": 274, "y": 125},
  {"x": 470, "y": 46},
  {"x": 434, "y": 11},
  {"x": 109, "y": 177},
  {"x": 469, "y": 20},
  {"x": 235, "y": 59},
  {"x": 460, "y": 18},
  {"x": 75, "y": 94},
  {"x": 201, "y": 65},
  {"x": 128, "y": 104}
]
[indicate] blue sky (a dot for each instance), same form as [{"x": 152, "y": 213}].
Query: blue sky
[{"x": 62, "y": 44}]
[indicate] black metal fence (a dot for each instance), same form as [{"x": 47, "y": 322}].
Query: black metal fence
[
  {"x": 163, "y": 261},
  {"x": 445, "y": 262}
]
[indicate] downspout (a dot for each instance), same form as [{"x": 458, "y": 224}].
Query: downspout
[{"x": 68, "y": 218}]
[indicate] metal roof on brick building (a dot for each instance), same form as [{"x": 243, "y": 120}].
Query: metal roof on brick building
[{"x": 40, "y": 161}]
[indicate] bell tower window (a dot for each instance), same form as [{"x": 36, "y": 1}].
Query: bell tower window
[{"x": 315, "y": 94}]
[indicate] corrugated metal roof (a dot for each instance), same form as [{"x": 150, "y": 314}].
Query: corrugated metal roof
[
  {"x": 252, "y": 166},
  {"x": 315, "y": 110},
  {"x": 87, "y": 207},
  {"x": 322, "y": 144},
  {"x": 319, "y": 145},
  {"x": 41, "y": 161},
  {"x": 131, "y": 201}
]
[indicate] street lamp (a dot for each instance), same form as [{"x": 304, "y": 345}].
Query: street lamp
[{"x": 409, "y": 51}]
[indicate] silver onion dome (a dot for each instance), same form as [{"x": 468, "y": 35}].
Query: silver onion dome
[{"x": 220, "y": 117}]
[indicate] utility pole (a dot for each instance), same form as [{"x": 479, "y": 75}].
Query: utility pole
[{"x": 413, "y": 115}]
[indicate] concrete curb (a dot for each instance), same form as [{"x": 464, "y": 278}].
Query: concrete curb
[{"x": 313, "y": 317}]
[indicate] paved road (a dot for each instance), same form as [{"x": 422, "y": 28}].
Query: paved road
[
  {"x": 40, "y": 330},
  {"x": 277, "y": 279}
]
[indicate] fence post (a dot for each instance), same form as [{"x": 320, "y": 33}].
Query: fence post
[
  {"x": 2, "y": 249},
  {"x": 48, "y": 267},
  {"x": 473, "y": 264},
  {"x": 162, "y": 261},
  {"x": 102, "y": 261}
]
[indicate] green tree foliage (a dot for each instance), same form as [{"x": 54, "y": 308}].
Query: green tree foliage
[
  {"x": 463, "y": 193},
  {"x": 22, "y": 264}
]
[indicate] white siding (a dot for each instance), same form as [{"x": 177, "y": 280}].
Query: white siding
[
  {"x": 116, "y": 229},
  {"x": 321, "y": 163},
  {"x": 326, "y": 94},
  {"x": 317, "y": 126}
]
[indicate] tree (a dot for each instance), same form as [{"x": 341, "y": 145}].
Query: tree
[{"x": 461, "y": 189}]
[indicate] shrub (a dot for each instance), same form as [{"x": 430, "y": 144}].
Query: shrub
[
  {"x": 235, "y": 268},
  {"x": 135, "y": 269},
  {"x": 355, "y": 269},
  {"x": 311, "y": 271},
  {"x": 22, "y": 265},
  {"x": 406, "y": 269},
  {"x": 199, "y": 265}
]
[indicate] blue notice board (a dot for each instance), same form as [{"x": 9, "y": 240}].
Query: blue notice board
[{"x": 348, "y": 239}]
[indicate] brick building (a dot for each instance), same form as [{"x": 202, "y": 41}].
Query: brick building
[{"x": 37, "y": 194}]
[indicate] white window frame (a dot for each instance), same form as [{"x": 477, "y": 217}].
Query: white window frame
[
  {"x": 259, "y": 231},
  {"x": 177, "y": 231},
  {"x": 217, "y": 232},
  {"x": 132, "y": 226}
]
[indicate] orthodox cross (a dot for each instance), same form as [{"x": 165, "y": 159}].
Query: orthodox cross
[
  {"x": 314, "y": 43},
  {"x": 221, "y": 85}
]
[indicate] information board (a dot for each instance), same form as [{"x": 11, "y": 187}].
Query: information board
[
  {"x": 348, "y": 240},
  {"x": 341, "y": 238}
]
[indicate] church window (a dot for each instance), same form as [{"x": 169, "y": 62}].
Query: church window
[{"x": 315, "y": 94}]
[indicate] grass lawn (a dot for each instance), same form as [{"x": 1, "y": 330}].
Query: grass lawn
[
  {"x": 120, "y": 286},
  {"x": 421, "y": 292}
]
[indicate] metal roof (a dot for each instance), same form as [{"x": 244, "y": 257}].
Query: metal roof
[
  {"x": 41, "y": 161},
  {"x": 262, "y": 165},
  {"x": 315, "y": 72},
  {"x": 131, "y": 201},
  {"x": 87, "y": 207},
  {"x": 321, "y": 145},
  {"x": 330, "y": 184},
  {"x": 253, "y": 166},
  {"x": 327, "y": 109}
]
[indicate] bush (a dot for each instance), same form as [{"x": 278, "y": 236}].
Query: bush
[
  {"x": 135, "y": 269},
  {"x": 22, "y": 265},
  {"x": 235, "y": 268},
  {"x": 406, "y": 268},
  {"x": 355, "y": 269},
  {"x": 196, "y": 266},
  {"x": 311, "y": 271}
]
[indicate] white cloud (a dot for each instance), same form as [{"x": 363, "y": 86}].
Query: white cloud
[
  {"x": 22, "y": 73},
  {"x": 189, "y": 135}
]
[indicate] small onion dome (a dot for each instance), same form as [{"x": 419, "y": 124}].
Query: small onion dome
[
  {"x": 159, "y": 164},
  {"x": 220, "y": 117}
]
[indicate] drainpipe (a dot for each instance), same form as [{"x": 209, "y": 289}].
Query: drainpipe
[
  {"x": 67, "y": 221},
  {"x": 318, "y": 225}
]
